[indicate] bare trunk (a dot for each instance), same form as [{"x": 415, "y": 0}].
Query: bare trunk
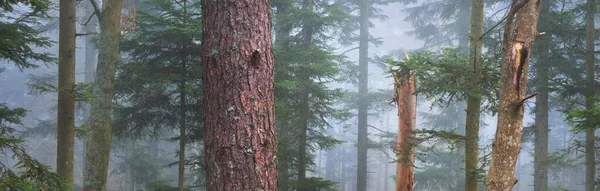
[
  {"x": 182, "y": 122},
  {"x": 540, "y": 174},
  {"x": 474, "y": 99},
  {"x": 363, "y": 83},
  {"x": 65, "y": 134},
  {"x": 590, "y": 133},
  {"x": 99, "y": 133},
  {"x": 182, "y": 115},
  {"x": 237, "y": 60},
  {"x": 91, "y": 57},
  {"x": 406, "y": 99},
  {"x": 513, "y": 80}
]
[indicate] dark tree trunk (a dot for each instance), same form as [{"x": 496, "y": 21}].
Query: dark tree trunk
[
  {"x": 540, "y": 173},
  {"x": 363, "y": 83},
  {"x": 590, "y": 133},
  {"x": 237, "y": 60},
  {"x": 182, "y": 127},
  {"x": 515, "y": 62},
  {"x": 65, "y": 135},
  {"x": 406, "y": 99}
]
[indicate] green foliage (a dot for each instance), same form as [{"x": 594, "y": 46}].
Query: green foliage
[
  {"x": 19, "y": 37},
  {"x": 307, "y": 67},
  {"x": 584, "y": 119},
  {"x": 316, "y": 184},
  {"x": 162, "y": 62},
  {"x": 37, "y": 5},
  {"x": 31, "y": 174},
  {"x": 443, "y": 76}
]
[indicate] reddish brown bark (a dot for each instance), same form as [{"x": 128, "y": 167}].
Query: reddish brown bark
[
  {"x": 507, "y": 144},
  {"x": 406, "y": 99},
  {"x": 237, "y": 60}
]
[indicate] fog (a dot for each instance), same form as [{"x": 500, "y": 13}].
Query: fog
[{"x": 144, "y": 151}]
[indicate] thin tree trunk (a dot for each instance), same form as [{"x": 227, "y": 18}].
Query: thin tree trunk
[
  {"x": 513, "y": 80},
  {"x": 237, "y": 59},
  {"x": 363, "y": 83},
  {"x": 130, "y": 150},
  {"x": 65, "y": 134},
  {"x": 307, "y": 32},
  {"x": 406, "y": 99},
  {"x": 474, "y": 99},
  {"x": 182, "y": 122},
  {"x": 540, "y": 174},
  {"x": 463, "y": 21},
  {"x": 182, "y": 114},
  {"x": 590, "y": 133},
  {"x": 91, "y": 57},
  {"x": 99, "y": 133}
]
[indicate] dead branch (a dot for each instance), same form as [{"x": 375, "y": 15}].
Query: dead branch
[{"x": 96, "y": 9}]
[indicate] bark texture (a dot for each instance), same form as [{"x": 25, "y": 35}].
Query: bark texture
[
  {"x": 540, "y": 174},
  {"x": 474, "y": 99},
  {"x": 404, "y": 87},
  {"x": 237, "y": 59},
  {"x": 507, "y": 144},
  {"x": 65, "y": 134},
  {"x": 363, "y": 103},
  {"x": 590, "y": 133},
  {"x": 98, "y": 136}
]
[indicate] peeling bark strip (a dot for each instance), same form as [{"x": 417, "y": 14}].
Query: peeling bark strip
[
  {"x": 240, "y": 138},
  {"x": 507, "y": 145},
  {"x": 404, "y": 88}
]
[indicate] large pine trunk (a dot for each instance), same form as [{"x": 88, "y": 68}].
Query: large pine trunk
[
  {"x": 474, "y": 99},
  {"x": 540, "y": 174},
  {"x": 65, "y": 134},
  {"x": 98, "y": 136},
  {"x": 363, "y": 103},
  {"x": 590, "y": 133},
  {"x": 513, "y": 80},
  {"x": 404, "y": 87},
  {"x": 237, "y": 59}
]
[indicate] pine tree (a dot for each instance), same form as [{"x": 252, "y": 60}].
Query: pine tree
[
  {"x": 161, "y": 59},
  {"x": 590, "y": 133},
  {"x": 237, "y": 60},
  {"x": 304, "y": 103}
]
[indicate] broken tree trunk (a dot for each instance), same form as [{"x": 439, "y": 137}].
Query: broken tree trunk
[
  {"x": 513, "y": 80},
  {"x": 405, "y": 97}
]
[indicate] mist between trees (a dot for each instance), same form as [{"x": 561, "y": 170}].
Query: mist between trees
[{"x": 306, "y": 95}]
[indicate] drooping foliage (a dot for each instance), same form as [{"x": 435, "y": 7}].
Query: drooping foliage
[
  {"x": 305, "y": 66},
  {"x": 160, "y": 76},
  {"x": 17, "y": 43}
]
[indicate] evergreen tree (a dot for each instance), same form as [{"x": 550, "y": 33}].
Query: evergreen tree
[
  {"x": 306, "y": 65},
  {"x": 156, "y": 86},
  {"x": 237, "y": 59},
  {"x": 16, "y": 45}
]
